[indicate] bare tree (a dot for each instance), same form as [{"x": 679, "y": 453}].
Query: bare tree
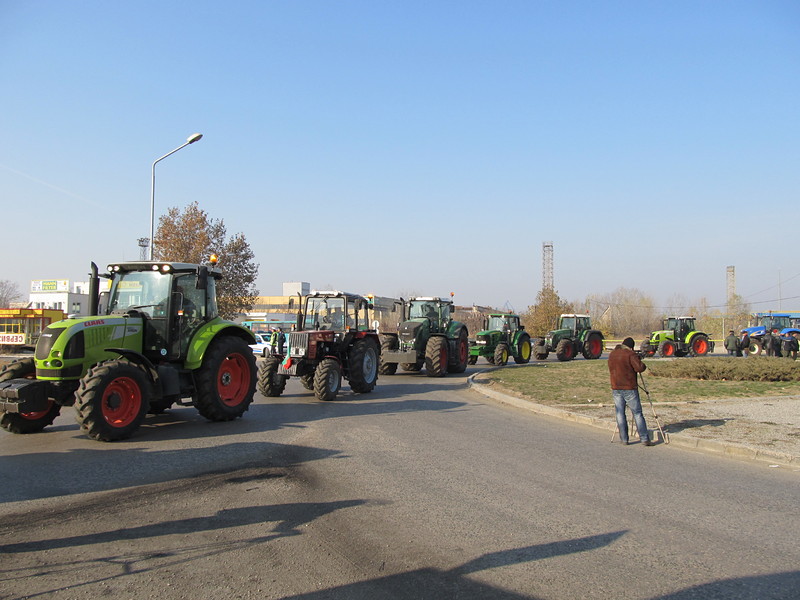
[
  {"x": 626, "y": 311},
  {"x": 543, "y": 316},
  {"x": 9, "y": 292},
  {"x": 191, "y": 236}
]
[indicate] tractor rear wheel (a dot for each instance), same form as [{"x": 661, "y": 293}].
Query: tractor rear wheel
[
  {"x": 755, "y": 347},
  {"x": 436, "y": 356},
  {"x": 388, "y": 344},
  {"x": 523, "y": 355},
  {"x": 647, "y": 349},
  {"x": 540, "y": 349},
  {"x": 666, "y": 349},
  {"x": 363, "y": 360},
  {"x": 112, "y": 400},
  {"x": 699, "y": 345},
  {"x": 565, "y": 350},
  {"x": 269, "y": 382},
  {"x": 593, "y": 346},
  {"x": 30, "y": 422},
  {"x": 226, "y": 381},
  {"x": 501, "y": 355},
  {"x": 462, "y": 353},
  {"x": 327, "y": 379}
]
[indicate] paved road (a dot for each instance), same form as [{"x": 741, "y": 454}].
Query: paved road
[{"x": 422, "y": 489}]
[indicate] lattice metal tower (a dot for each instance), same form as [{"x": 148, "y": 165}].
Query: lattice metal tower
[
  {"x": 547, "y": 265},
  {"x": 731, "y": 291},
  {"x": 144, "y": 244}
]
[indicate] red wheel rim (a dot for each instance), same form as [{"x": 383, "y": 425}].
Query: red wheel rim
[
  {"x": 595, "y": 347},
  {"x": 38, "y": 414},
  {"x": 700, "y": 346},
  {"x": 443, "y": 358},
  {"x": 233, "y": 379},
  {"x": 463, "y": 350},
  {"x": 569, "y": 351},
  {"x": 668, "y": 349},
  {"x": 122, "y": 401}
]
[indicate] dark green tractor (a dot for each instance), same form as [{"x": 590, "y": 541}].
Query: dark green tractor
[
  {"x": 678, "y": 337},
  {"x": 573, "y": 336},
  {"x": 427, "y": 336},
  {"x": 503, "y": 337}
]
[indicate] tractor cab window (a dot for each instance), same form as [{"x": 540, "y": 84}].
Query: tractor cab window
[
  {"x": 671, "y": 323},
  {"x": 325, "y": 313},
  {"x": 145, "y": 291},
  {"x": 421, "y": 309},
  {"x": 583, "y": 323},
  {"x": 568, "y": 323},
  {"x": 496, "y": 323}
]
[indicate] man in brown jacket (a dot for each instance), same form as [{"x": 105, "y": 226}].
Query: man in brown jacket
[{"x": 623, "y": 367}]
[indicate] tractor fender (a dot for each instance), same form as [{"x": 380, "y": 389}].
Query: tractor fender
[
  {"x": 207, "y": 334},
  {"x": 454, "y": 330},
  {"x": 139, "y": 359}
]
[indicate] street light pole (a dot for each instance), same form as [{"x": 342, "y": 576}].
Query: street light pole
[{"x": 191, "y": 140}]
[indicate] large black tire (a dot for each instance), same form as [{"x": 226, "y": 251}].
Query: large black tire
[
  {"x": 306, "y": 380},
  {"x": 462, "y": 353},
  {"x": 490, "y": 359},
  {"x": 436, "y": 356},
  {"x": 565, "y": 350},
  {"x": 363, "y": 362},
  {"x": 755, "y": 347},
  {"x": 226, "y": 381},
  {"x": 388, "y": 344},
  {"x": 271, "y": 384},
  {"x": 593, "y": 346},
  {"x": 112, "y": 400},
  {"x": 327, "y": 379},
  {"x": 666, "y": 349},
  {"x": 501, "y": 354},
  {"x": 472, "y": 359},
  {"x": 524, "y": 350},
  {"x": 699, "y": 345},
  {"x": 646, "y": 349},
  {"x": 413, "y": 367},
  {"x": 32, "y": 422},
  {"x": 540, "y": 349}
]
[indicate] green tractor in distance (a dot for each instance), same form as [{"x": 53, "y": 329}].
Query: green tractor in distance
[
  {"x": 157, "y": 341},
  {"x": 574, "y": 335},
  {"x": 502, "y": 337},
  {"x": 427, "y": 336},
  {"x": 678, "y": 337}
]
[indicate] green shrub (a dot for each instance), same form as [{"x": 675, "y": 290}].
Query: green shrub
[{"x": 754, "y": 368}]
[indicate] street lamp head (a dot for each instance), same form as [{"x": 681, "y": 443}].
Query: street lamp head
[{"x": 195, "y": 137}]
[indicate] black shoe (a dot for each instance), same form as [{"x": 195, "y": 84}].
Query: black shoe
[{"x": 648, "y": 443}]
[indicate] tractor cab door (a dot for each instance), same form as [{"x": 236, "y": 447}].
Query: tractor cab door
[{"x": 188, "y": 311}]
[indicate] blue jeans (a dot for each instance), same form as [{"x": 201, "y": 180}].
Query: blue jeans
[{"x": 623, "y": 398}]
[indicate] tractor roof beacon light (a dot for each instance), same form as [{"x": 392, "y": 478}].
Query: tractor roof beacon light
[{"x": 190, "y": 140}]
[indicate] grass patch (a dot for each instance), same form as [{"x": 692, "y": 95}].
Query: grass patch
[{"x": 582, "y": 381}]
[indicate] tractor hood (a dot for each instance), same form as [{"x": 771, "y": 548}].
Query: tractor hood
[{"x": 410, "y": 330}]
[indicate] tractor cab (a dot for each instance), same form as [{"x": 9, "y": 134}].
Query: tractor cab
[
  {"x": 575, "y": 324},
  {"x": 680, "y": 325},
  {"x": 334, "y": 311},
  {"x": 435, "y": 310},
  {"x": 173, "y": 299}
]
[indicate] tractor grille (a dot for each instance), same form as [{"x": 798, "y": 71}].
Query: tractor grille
[
  {"x": 408, "y": 331},
  {"x": 482, "y": 340},
  {"x": 298, "y": 344}
]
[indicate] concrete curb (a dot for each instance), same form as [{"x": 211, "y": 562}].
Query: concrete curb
[{"x": 728, "y": 449}]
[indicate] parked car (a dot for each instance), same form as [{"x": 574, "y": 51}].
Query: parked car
[{"x": 261, "y": 347}]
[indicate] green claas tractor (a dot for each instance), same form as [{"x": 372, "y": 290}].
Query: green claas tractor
[
  {"x": 331, "y": 340},
  {"x": 427, "y": 336},
  {"x": 678, "y": 337},
  {"x": 157, "y": 341},
  {"x": 574, "y": 335},
  {"x": 502, "y": 337}
]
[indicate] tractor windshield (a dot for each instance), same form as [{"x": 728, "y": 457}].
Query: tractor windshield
[
  {"x": 325, "y": 313},
  {"x": 568, "y": 323},
  {"x": 501, "y": 323},
  {"x": 423, "y": 309},
  {"x": 147, "y": 290},
  {"x": 771, "y": 322}
]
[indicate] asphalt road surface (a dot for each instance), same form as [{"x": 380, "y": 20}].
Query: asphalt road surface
[{"x": 421, "y": 489}]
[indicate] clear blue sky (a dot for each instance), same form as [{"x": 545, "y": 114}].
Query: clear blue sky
[{"x": 414, "y": 147}]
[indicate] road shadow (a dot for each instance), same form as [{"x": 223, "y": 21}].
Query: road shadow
[
  {"x": 694, "y": 423},
  {"x": 775, "y": 586},
  {"x": 454, "y": 583}
]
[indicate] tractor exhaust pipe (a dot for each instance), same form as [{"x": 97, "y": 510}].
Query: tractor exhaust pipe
[{"x": 94, "y": 290}]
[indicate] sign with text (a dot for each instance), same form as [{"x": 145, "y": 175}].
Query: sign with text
[
  {"x": 12, "y": 338},
  {"x": 50, "y": 285}
]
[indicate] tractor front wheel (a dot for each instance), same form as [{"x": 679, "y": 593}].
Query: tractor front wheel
[
  {"x": 699, "y": 345},
  {"x": 523, "y": 356},
  {"x": 30, "y": 422},
  {"x": 462, "y": 353},
  {"x": 271, "y": 384},
  {"x": 363, "y": 359},
  {"x": 226, "y": 381},
  {"x": 666, "y": 349},
  {"x": 306, "y": 380},
  {"x": 565, "y": 350},
  {"x": 436, "y": 356},
  {"x": 112, "y": 400},
  {"x": 501, "y": 355},
  {"x": 472, "y": 359},
  {"x": 755, "y": 347},
  {"x": 327, "y": 379},
  {"x": 540, "y": 349},
  {"x": 388, "y": 344}
]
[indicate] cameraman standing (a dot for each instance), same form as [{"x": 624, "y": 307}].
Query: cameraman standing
[{"x": 623, "y": 366}]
